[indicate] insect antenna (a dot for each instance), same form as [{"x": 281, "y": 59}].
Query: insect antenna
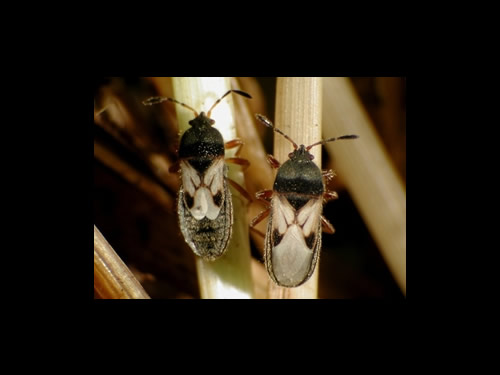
[
  {"x": 242, "y": 93},
  {"x": 352, "y": 136},
  {"x": 269, "y": 124},
  {"x": 160, "y": 99}
]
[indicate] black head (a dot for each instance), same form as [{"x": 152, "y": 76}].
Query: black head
[
  {"x": 301, "y": 155},
  {"x": 201, "y": 120}
]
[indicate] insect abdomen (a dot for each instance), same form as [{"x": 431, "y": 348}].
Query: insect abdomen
[{"x": 207, "y": 238}]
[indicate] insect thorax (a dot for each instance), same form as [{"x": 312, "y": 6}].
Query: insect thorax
[
  {"x": 201, "y": 145},
  {"x": 301, "y": 177}
]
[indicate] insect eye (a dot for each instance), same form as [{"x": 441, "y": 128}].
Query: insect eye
[
  {"x": 290, "y": 155},
  {"x": 311, "y": 157},
  {"x": 211, "y": 121}
]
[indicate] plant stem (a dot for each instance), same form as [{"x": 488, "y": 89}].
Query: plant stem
[
  {"x": 298, "y": 114},
  {"x": 112, "y": 278},
  {"x": 230, "y": 275},
  {"x": 368, "y": 172}
]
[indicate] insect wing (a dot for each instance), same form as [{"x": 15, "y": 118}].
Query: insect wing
[
  {"x": 205, "y": 218},
  {"x": 293, "y": 241},
  {"x": 204, "y": 193}
]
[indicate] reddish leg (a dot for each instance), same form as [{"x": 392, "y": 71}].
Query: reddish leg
[
  {"x": 327, "y": 226},
  {"x": 234, "y": 143},
  {"x": 237, "y": 143},
  {"x": 260, "y": 217},
  {"x": 328, "y": 174},
  {"x": 240, "y": 189},
  {"x": 273, "y": 162},
  {"x": 329, "y": 195},
  {"x": 258, "y": 232},
  {"x": 264, "y": 195},
  {"x": 239, "y": 161}
]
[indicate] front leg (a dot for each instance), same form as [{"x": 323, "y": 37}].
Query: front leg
[
  {"x": 327, "y": 226},
  {"x": 273, "y": 162},
  {"x": 234, "y": 143},
  {"x": 328, "y": 174},
  {"x": 239, "y": 161},
  {"x": 260, "y": 217},
  {"x": 264, "y": 195},
  {"x": 240, "y": 189},
  {"x": 329, "y": 195},
  {"x": 236, "y": 160}
]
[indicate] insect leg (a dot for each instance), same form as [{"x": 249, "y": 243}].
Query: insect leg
[
  {"x": 327, "y": 226},
  {"x": 328, "y": 174},
  {"x": 329, "y": 195},
  {"x": 272, "y": 161},
  {"x": 234, "y": 143},
  {"x": 236, "y": 160},
  {"x": 243, "y": 162},
  {"x": 260, "y": 217},
  {"x": 240, "y": 189},
  {"x": 264, "y": 195},
  {"x": 257, "y": 232}
]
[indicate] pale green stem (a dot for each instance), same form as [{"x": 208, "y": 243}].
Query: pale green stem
[{"x": 230, "y": 275}]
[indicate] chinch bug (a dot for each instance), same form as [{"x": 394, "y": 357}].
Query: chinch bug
[
  {"x": 293, "y": 236},
  {"x": 204, "y": 203}
]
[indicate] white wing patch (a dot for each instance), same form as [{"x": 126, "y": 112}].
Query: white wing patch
[
  {"x": 190, "y": 178},
  {"x": 202, "y": 189},
  {"x": 283, "y": 213},
  {"x": 308, "y": 216},
  {"x": 214, "y": 177},
  {"x": 291, "y": 258},
  {"x": 200, "y": 207}
]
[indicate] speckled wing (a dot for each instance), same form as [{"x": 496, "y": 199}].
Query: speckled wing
[{"x": 206, "y": 219}]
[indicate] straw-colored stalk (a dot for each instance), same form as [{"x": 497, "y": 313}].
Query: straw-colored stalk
[
  {"x": 112, "y": 278},
  {"x": 368, "y": 172},
  {"x": 230, "y": 275},
  {"x": 298, "y": 114}
]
